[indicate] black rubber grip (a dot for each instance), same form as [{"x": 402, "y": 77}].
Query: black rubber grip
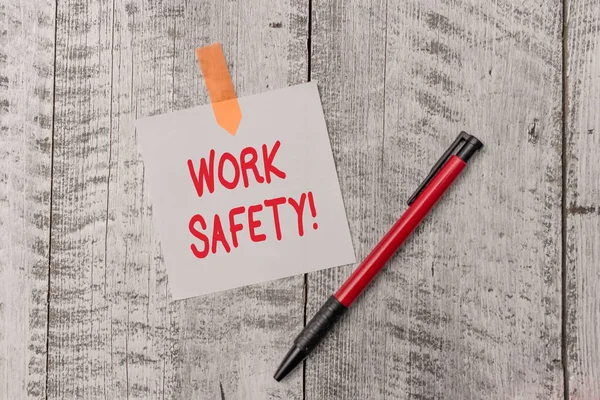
[{"x": 320, "y": 324}]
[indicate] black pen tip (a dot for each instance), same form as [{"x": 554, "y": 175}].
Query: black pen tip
[{"x": 291, "y": 360}]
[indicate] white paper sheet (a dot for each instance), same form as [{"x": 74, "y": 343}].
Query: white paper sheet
[{"x": 288, "y": 127}]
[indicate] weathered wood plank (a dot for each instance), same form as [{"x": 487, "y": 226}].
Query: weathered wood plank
[
  {"x": 26, "y": 91},
  {"x": 232, "y": 342},
  {"x": 471, "y": 307},
  {"x": 583, "y": 199},
  {"x": 143, "y": 320},
  {"x": 80, "y": 300},
  {"x": 114, "y": 333}
]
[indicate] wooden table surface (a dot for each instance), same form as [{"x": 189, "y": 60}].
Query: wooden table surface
[{"x": 496, "y": 296}]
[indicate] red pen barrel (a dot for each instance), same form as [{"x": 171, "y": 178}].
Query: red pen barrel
[
  {"x": 439, "y": 179},
  {"x": 392, "y": 240}
]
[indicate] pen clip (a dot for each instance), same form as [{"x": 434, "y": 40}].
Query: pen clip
[{"x": 462, "y": 138}]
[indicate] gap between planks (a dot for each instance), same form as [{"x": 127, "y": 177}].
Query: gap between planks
[
  {"x": 48, "y": 299},
  {"x": 563, "y": 216}
]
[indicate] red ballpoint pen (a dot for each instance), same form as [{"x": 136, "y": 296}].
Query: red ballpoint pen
[{"x": 441, "y": 176}]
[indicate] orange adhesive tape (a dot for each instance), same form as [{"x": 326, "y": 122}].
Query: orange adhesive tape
[{"x": 220, "y": 87}]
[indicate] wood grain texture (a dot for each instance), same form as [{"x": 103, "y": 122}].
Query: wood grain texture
[
  {"x": 470, "y": 308},
  {"x": 583, "y": 199},
  {"x": 26, "y": 91},
  {"x": 114, "y": 332},
  {"x": 81, "y": 335}
]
